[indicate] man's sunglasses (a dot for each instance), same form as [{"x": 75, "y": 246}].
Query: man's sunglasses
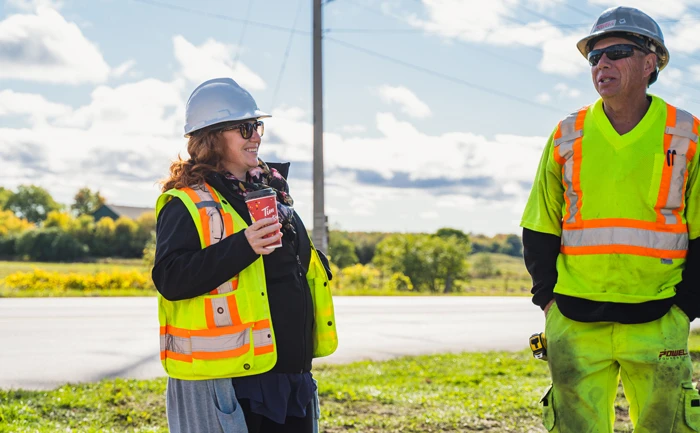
[
  {"x": 614, "y": 52},
  {"x": 247, "y": 128}
]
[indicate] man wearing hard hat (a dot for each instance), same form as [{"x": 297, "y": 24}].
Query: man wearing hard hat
[{"x": 610, "y": 236}]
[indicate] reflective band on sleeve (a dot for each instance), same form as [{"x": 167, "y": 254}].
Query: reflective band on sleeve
[{"x": 625, "y": 236}]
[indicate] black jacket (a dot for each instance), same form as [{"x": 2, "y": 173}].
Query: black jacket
[
  {"x": 541, "y": 251},
  {"x": 184, "y": 270}
]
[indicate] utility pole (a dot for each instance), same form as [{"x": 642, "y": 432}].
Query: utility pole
[{"x": 320, "y": 232}]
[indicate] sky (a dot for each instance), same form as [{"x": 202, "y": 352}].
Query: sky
[{"x": 435, "y": 111}]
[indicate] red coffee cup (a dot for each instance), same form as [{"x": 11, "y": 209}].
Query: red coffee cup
[{"x": 263, "y": 204}]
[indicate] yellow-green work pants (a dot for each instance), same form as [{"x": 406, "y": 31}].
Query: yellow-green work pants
[{"x": 586, "y": 361}]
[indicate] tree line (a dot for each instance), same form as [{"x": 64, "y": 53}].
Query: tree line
[
  {"x": 437, "y": 263},
  {"x": 34, "y": 226}
]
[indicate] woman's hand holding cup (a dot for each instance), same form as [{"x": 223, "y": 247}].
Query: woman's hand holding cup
[{"x": 260, "y": 228}]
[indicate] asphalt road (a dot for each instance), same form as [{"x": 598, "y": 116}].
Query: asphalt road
[{"x": 46, "y": 342}]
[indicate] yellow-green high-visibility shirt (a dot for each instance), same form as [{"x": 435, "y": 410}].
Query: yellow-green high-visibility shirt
[{"x": 614, "y": 193}]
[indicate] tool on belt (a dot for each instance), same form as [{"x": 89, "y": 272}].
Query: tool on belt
[{"x": 538, "y": 345}]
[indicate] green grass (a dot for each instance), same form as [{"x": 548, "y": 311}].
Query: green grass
[
  {"x": 492, "y": 392},
  {"x": 7, "y": 268},
  {"x": 513, "y": 278}
]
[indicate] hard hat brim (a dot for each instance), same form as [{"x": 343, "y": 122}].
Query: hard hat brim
[
  {"x": 661, "y": 53},
  {"x": 257, "y": 114}
]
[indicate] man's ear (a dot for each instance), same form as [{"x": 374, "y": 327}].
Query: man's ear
[{"x": 650, "y": 62}]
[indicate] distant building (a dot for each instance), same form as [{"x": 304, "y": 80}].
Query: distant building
[{"x": 114, "y": 212}]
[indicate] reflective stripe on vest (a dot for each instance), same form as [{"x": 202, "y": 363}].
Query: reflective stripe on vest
[
  {"x": 216, "y": 225},
  {"x": 222, "y": 315},
  {"x": 667, "y": 238},
  {"x": 679, "y": 144},
  {"x": 219, "y": 343},
  {"x": 567, "y": 152}
]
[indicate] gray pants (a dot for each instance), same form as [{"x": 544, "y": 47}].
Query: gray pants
[
  {"x": 194, "y": 406},
  {"x": 203, "y": 406}
]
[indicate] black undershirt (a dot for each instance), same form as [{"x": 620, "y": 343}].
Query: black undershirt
[{"x": 541, "y": 250}]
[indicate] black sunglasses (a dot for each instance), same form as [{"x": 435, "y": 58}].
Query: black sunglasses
[
  {"x": 614, "y": 52},
  {"x": 247, "y": 128}
]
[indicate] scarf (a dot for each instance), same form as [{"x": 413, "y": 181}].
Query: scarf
[{"x": 262, "y": 177}]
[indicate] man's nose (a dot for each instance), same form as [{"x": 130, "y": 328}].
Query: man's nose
[{"x": 604, "y": 62}]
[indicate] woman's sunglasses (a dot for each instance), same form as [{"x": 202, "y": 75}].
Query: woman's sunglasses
[
  {"x": 614, "y": 52},
  {"x": 247, "y": 128}
]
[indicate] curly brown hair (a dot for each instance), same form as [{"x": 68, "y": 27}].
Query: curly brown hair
[{"x": 206, "y": 149}]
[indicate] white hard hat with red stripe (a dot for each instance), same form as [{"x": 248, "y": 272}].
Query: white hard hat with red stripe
[{"x": 628, "y": 23}]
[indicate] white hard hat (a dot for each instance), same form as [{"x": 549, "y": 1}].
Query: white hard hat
[{"x": 217, "y": 101}]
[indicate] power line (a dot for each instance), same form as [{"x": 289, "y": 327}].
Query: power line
[
  {"x": 307, "y": 33},
  {"x": 220, "y": 17},
  {"x": 443, "y": 76},
  {"x": 240, "y": 41},
  {"x": 286, "y": 55},
  {"x": 574, "y": 8}
]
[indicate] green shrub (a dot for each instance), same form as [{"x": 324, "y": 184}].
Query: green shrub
[
  {"x": 50, "y": 245},
  {"x": 8, "y": 245}
]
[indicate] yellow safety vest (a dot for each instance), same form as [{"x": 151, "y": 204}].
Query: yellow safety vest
[
  {"x": 228, "y": 332},
  {"x": 665, "y": 238}
]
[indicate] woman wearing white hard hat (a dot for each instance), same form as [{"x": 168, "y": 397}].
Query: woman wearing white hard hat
[{"x": 240, "y": 321}]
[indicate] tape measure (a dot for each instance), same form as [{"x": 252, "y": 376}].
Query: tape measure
[{"x": 538, "y": 345}]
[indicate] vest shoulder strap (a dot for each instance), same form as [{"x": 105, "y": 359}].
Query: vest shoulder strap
[
  {"x": 685, "y": 125},
  {"x": 571, "y": 127}
]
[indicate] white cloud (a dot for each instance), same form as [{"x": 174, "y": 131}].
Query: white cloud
[
  {"x": 544, "y": 5},
  {"x": 353, "y": 129},
  {"x": 672, "y": 78},
  {"x": 654, "y": 8},
  {"x": 429, "y": 215},
  {"x": 289, "y": 113},
  {"x": 122, "y": 69},
  {"x": 33, "y": 105},
  {"x": 567, "y": 92},
  {"x": 409, "y": 102},
  {"x": 149, "y": 107},
  {"x": 695, "y": 72},
  {"x": 213, "y": 59},
  {"x": 32, "y": 5},
  {"x": 469, "y": 21},
  {"x": 560, "y": 56},
  {"x": 490, "y": 22},
  {"x": 404, "y": 149},
  {"x": 543, "y": 98},
  {"x": 684, "y": 38},
  {"x": 123, "y": 167},
  {"x": 45, "y": 47}
]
